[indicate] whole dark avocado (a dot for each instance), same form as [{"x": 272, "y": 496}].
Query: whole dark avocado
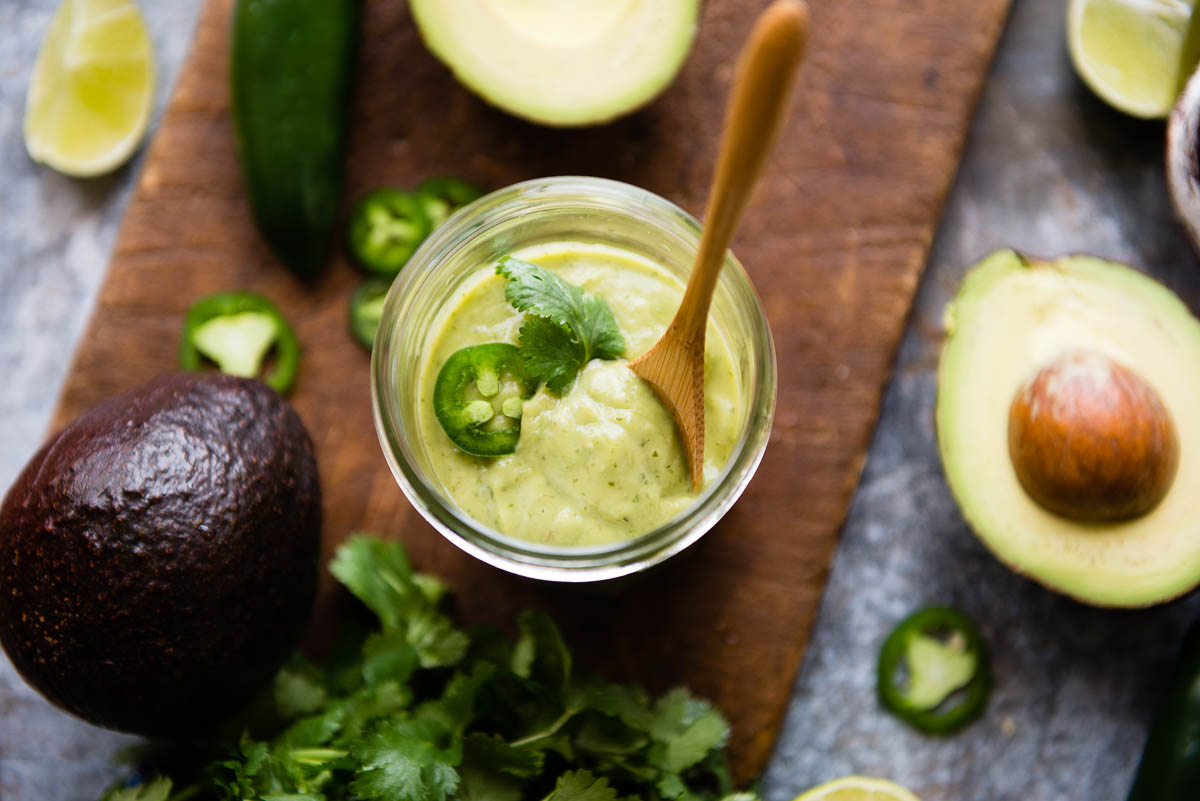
[{"x": 159, "y": 556}]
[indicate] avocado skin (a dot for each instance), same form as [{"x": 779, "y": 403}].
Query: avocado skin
[{"x": 159, "y": 556}]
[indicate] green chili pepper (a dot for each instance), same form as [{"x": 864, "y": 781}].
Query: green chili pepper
[
  {"x": 933, "y": 671},
  {"x": 1170, "y": 765},
  {"x": 386, "y": 226},
  {"x": 442, "y": 196},
  {"x": 291, "y": 68},
  {"x": 236, "y": 331},
  {"x": 366, "y": 307},
  {"x": 477, "y": 398}
]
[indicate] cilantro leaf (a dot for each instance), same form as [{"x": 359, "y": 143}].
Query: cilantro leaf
[
  {"x": 419, "y": 710},
  {"x": 438, "y": 643},
  {"x": 380, "y": 575},
  {"x": 565, "y": 327},
  {"x": 581, "y": 785},
  {"x": 367, "y": 707},
  {"x": 541, "y": 654},
  {"x": 262, "y": 770},
  {"x": 672, "y": 786},
  {"x": 298, "y": 691},
  {"x": 483, "y": 785},
  {"x": 407, "y": 760},
  {"x": 602, "y": 735},
  {"x": 316, "y": 730},
  {"x": 157, "y": 790},
  {"x": 493, "y": 770},
  {"x": 388, "y": 656},
  {"x": 455, "y": 710},
  {"x": 688, "y": 730},
  {"x": 628, "y": 704},
  {"x": 705, "y": 734},
  {"x": 496, "y": 755},
  {"x": 549, "y": 354}
]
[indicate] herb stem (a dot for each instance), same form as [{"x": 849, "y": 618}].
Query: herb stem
[
  {"x": 191, "y": 791},
  {"x": 317, "y": 756},
  {"x": 548, "y": 732}
]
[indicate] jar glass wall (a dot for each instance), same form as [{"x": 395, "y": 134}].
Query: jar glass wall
[{"x": 564, "y": 209}]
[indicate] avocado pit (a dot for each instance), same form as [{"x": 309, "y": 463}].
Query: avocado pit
[{"x": 1091, "y": 440}]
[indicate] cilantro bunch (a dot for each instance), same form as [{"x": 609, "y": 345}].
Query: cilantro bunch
[
  {"x": 564, "y": 326},
  {"x": 418, "y": 710}
]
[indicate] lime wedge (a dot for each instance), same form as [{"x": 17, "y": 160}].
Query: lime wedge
[
  {"x": 858, "y": 788},
  {"x": 1129, "y": 51},
  {"x": 1189, "y": 52},
  {"x": 92, "y": 88}
]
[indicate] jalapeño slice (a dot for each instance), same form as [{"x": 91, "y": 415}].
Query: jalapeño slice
[
  {"x": 386, "y": 226},
  {"x": 366, "y": 308},
  {"x": 933, "y": 671},
  {"x": 236, "y": 331},
  {"x": 442, "y": 196},
  {"x": 477, "y": 398}
]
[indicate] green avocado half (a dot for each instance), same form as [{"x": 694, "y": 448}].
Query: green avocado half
[
  {"x": 1012, "y": 318},
  {"x": 159, "y": 555},
  {"x": 561, "y": 62}
]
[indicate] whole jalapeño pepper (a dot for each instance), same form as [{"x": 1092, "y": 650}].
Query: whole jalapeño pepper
[{"x": 1170, "y": 766}]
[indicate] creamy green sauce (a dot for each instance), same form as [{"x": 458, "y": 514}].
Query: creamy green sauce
[{"x": 604, "y": 462}]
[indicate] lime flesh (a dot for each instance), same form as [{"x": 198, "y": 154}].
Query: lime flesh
[
  {"x": 92, "y": 88},
  {"x": 858, "y": 788},
  {"x": 1129, "y": 52}
]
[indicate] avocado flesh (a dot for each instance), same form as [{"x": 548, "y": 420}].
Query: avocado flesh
[
  {"x": 159, "y": 556},
  {"x": 580, "y": 62},
  {"x": 1013, "y": 316}
]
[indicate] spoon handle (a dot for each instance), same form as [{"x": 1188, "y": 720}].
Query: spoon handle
[{"x": 757, "y": 107}]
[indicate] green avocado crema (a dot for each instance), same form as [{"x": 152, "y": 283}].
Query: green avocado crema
[{"x": 604, "y": 462}]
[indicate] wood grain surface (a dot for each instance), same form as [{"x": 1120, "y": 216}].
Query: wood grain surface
[{"x": 835, "y": 240}]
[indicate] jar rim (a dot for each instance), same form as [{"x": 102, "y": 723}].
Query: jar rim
[{"x": 526, "y": 558}]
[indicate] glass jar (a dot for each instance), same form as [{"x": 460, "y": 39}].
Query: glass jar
[{"x": 574, "y": 209}]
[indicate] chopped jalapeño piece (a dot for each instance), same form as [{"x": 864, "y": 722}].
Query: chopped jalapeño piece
[
  {"x": 386, "y": 226},
  {"x": 442, "y": 196},
  {"x": 476, "y": 392},
  {"x": 237, "y": 331},
  {"x": 933, "y": 671},
  {"x": 366, "y": 308}
]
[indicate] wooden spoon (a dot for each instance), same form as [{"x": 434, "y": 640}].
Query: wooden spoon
[{"x": 762, "y": 85}]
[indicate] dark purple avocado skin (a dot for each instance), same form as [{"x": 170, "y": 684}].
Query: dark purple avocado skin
[{"x": 159, "y": 556}]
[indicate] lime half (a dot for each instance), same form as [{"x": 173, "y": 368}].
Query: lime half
[
  {"x": 1129, "y": 51},
  {"x": 858, "y": 788},
  {"x": 92, "y": 88}
]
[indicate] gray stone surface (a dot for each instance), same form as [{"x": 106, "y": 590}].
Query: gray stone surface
[
  {"x": 1049, "y": 170},
  {"x": 55, "y": 236}
]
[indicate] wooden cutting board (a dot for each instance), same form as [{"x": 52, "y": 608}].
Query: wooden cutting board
[{"x": 835, "y": 241}]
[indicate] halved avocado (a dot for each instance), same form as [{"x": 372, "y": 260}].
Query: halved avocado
[
  {"x": 561, "y": 62},
  {"x": 1102, "y": 364}
]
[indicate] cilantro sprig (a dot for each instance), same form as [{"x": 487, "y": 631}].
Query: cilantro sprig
[
  {"x": 565, "y": 327},
  {"x": 415, "y": 709}
]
